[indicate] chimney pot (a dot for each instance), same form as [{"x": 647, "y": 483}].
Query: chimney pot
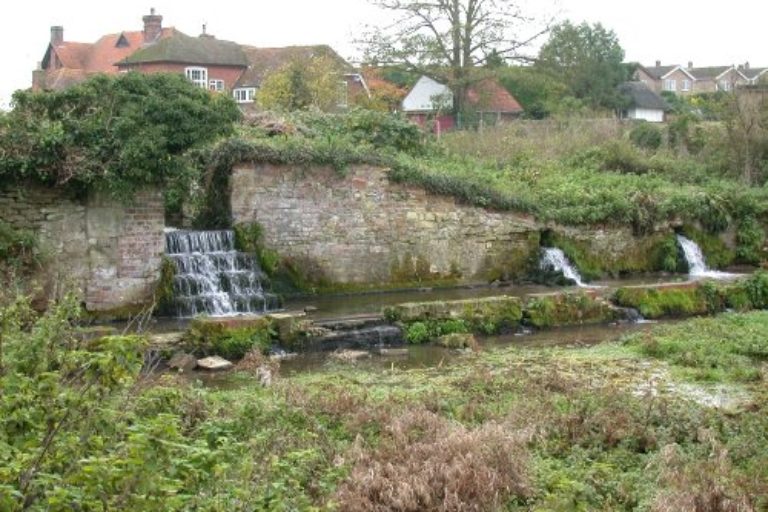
[
  {"x": 746, "y": 65},
  {"x": 658, "y": 63},
  {"x": 153, "y": 26},
  {"x": 690, "y": 64},
  {"x": 57, "y": 35}
]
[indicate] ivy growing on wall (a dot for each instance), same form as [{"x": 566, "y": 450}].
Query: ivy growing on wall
[{"x": 113, "y": 133}]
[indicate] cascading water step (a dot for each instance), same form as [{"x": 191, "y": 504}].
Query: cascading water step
[
  {"x": 697, "y": 265},
  {"x": 212, "y": 278}
]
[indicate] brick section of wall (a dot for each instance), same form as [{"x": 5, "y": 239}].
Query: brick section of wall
[
  {"x": 108, "y": 251},
  {"x": 363, "y": 229},
  {"x": 126, "y": 246}
]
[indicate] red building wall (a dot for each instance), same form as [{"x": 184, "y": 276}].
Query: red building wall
[
  {"x": 229, "y": 74},
  {"x": 443, "y": 123}
]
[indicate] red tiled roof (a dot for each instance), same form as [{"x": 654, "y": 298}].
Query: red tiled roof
[
  {"x": 105, "y": 52},
  {"x": 489, "y": 96},
  {"x": 81, "y": 59},
  {"x": 73, "y": 55}
]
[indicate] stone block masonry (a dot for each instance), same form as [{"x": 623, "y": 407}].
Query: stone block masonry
[
  {"x": 110, "y": 252},
  {"x": 361, "y": 229}
]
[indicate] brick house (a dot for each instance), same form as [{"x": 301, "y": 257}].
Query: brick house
[
  {"x": 753, "y": 75},
  {"x": 697, "y": 80},
  {"x": 210, "y": 63},
  {"x": 672, "y": 78},
  {"x": 716, "y": 78}
]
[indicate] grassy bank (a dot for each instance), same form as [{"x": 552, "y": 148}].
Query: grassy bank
[
  {"x": 505, "y": 429},
  {"x": 576, "y": 172}
]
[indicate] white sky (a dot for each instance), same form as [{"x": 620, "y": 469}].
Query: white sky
[{"x": 708, "y": 33}]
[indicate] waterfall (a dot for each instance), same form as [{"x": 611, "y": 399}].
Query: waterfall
[
  {"x": 554, "y": 259},
  {"x": 697, "y": 265},
  {"x": 212, "y": 278}
]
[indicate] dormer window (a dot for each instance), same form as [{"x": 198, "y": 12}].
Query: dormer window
[
  {"x": 244, "y": 94},
  {"x": 198, "y": 76},
  {"x": 122, "y": 42}
]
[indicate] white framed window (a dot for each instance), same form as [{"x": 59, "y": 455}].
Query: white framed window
[
  {"x": 244, "y": 94},
  {"x": 670, "y": 84},
  {"x": 725, "y": 85},
  {"x": 686, "y": 85},
  {"x": 216, "y": 85},
  {"x": 198, "y": 76}
]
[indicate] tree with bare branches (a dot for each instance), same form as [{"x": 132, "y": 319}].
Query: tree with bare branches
[{"x": 449, "y": 39}]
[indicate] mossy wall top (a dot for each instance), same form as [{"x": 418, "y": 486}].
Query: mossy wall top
[{"x": 359, "y": 227}]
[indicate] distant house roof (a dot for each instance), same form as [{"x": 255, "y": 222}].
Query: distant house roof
[
  {"x": 489, "y": 96},
  {"x": 99, "y": 57},
  {"x": 710, "y": 73},
  {"x": 753, "y": 73},
  {"x": 660, "y": 72},
  {"x": 184, "y": 49},
  {"x": 426, "y": 95},
  {"x": 485, "y": 96},
  {"x": 66, "y": 63},
  {"x": 642, "y": 96},
  {"x": 263, "y": 61}
]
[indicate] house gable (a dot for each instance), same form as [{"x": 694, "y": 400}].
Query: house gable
[{"x": 428, "y": 95}]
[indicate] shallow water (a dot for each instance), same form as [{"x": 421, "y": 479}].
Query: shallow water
[
  {"x": 431, "y": 356},
  {"x": 372, "y": 303}
]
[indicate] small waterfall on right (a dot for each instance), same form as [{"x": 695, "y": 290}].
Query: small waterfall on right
[
  {"x": 554, "y": 259},
  {"x": 697, "y": 265}
]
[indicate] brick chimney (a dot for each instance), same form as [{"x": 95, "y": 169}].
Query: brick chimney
[
  {"x": 153, "y": 26},
  {"x": 690, "y": 64},
  {"x": 746, "y": 65},
  {"x": 658, "y": 63},
  {"x": 57, "y": 35}
]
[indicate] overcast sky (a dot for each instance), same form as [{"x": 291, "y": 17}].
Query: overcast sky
[{"x": 707, "y": 33}]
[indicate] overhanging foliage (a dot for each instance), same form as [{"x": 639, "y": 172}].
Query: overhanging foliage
[{"x": 113, "y": 133}]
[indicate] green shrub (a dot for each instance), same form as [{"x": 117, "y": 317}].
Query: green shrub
[
  {"x": 117, "y": 133},
  {"x": 164, "y": 294},
  {"x": 622, "y": 157},
  {"x": 567, "y": 309},
  {"x": 417, "y": 333},
  {"x": 248, "y": 239},
  {"x": 19, "y": 248},
  {"x": 667, "y": 256},
  {"x": 756, "y": 288},
  {"x": 429, "y": 330},
  {"x": 668, "y": 301},
  {"x": 750, "y": 238},
  {"x": 229, "y": 340},
  {"x": 646, "y": 136}
]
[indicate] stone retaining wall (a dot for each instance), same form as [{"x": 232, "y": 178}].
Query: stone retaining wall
[
  {"x": 361, "y": 228},
  {"x": 108, "y": 251}
]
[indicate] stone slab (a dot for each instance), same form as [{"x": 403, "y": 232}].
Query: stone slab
[{"x": 214, "y": 364}]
